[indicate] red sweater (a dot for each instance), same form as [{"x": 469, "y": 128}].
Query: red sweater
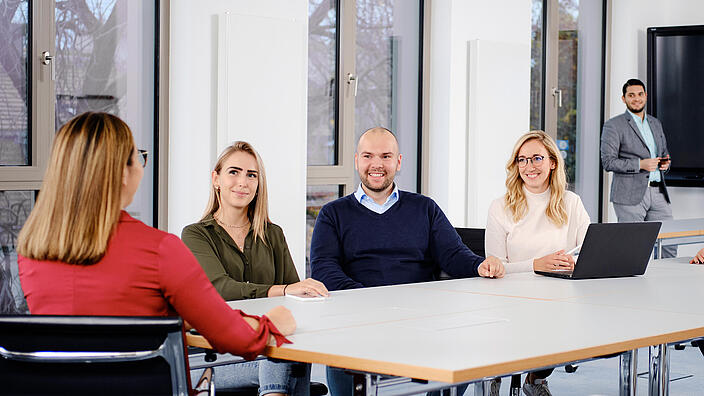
[{"x": 145, "y": 272}]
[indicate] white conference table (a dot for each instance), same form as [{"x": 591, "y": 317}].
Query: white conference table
[
  {"x": 679, "y": 232},
  {"x": 470, "y": 330}
]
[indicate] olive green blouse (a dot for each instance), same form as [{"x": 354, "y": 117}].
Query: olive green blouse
[{"x": 235, "y": 274}]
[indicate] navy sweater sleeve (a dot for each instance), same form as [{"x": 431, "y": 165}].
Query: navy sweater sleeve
[
  {"x": 326, "y": 253},
  {"x": 447, "y": 248}
]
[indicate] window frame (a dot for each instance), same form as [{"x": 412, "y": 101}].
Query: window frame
[
  {"x": 41, "y": 122},
  {"x": 41, "y": 94},
  {"x": 343, "y": 173}
]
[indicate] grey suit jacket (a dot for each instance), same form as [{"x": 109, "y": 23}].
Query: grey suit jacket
[{"x": 622, "y": 148}]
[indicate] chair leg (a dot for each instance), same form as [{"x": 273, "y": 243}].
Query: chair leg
[
  {"x": 515, "y": 389},
  {"x": 205, "y": 385}
]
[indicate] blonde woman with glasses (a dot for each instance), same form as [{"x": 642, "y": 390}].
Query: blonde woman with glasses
[
  {"x": 537, "y": 220},
  {"x": 80, "y": 253},
  {"x": 246, "y": 256}
]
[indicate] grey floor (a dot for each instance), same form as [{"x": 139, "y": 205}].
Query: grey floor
[{"x": 600, "y": 377}]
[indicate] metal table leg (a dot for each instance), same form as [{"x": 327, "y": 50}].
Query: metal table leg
[
  {"x": 629, "y": 373},
  {"x": 481, "y": 388},
  {"x": 659, "y": 377}
]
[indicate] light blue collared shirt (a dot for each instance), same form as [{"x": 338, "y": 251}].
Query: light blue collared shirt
[
  {"x": 647, "y": 134},
  {"x": 370, "y": 204}
]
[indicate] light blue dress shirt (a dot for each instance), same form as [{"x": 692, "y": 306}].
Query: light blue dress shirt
[
  {"x": 370, "y": 204},
  {"x": 647, "y": 134}
]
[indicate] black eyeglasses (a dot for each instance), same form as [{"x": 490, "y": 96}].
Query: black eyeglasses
[
  {"x": 143, "y": 155},
  {"x": 536, "y": 160}
]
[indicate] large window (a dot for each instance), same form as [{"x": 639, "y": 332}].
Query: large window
[
  {"x": 364, "y": 60},
  {"x": 59, "y": 59},
  {"x": 566, "y": 87}
]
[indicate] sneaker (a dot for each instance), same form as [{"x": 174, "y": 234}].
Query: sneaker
[
  {"x": 495, "y": 386},
  {"x": 539, "y": 388}
]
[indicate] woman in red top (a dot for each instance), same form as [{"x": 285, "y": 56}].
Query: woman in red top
[{"x": 81, "y": 254}]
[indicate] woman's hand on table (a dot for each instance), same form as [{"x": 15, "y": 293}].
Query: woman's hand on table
[
  {"x": 554, "y": 261},
  {"x": 282, "y": 318},
  {"x": 491, "y": 267},
  {"x": 699, "y": 258},
  {"x": 307, "y": 288}
]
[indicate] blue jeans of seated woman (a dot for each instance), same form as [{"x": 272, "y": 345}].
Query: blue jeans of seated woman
[{"x": 291, "y": 378}]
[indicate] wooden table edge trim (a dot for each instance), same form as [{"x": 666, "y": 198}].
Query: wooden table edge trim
[
  {"x": 580, "y": 354},
  {"x": 359, "y": 364},
  {"x": 680, "y": 234},
  {"x": 197, "y": 341},
  {"x": 450, "y": 376}
]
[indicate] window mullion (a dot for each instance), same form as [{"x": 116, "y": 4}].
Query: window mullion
[
  {"x": 43, "y": 39},
  {"x": 346, "y": 88},
  {"x": 551, "y": 31}
]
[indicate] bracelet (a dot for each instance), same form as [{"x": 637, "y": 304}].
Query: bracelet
[{"x": 285, "y": 286}]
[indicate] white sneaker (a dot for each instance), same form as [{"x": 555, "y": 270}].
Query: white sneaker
[{"x": 538, "y": 388}]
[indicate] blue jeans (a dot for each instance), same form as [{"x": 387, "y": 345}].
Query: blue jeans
[
  {"x": 341, "y": 383},
  {"x": 290, "y": 378}
]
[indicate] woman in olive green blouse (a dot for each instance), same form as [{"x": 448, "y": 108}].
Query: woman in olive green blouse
[{"x": 245, "y": 255}]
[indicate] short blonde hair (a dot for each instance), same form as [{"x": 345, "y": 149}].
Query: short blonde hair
[
  {"x": 515, "y": 198},
  {"x": 79, "y": 202},
  {"x": 258, "y": 209}
]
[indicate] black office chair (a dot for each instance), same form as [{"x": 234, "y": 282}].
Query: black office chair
[
  {"x": 49, "y": 355},
  {"x": 473, "y": 238}
]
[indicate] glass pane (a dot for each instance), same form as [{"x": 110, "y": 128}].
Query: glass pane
[
  {"x": 105, "y": 62},
  {"x": 568, "y": 46},
  {"x": 322, "y": 85},
  {"x": 316, "y": 197},
  {"x": 14, "y": 66},
  {"x": 387, "y": 66},
  {"x": 14, "y": 209},
  {"x": 537, "y": 52}
]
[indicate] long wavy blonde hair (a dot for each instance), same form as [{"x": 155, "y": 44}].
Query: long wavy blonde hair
[
  {"x": 258, "y": 209},
  {"x": 515, "y": 198},
  {"x": 79, "y": 202}
]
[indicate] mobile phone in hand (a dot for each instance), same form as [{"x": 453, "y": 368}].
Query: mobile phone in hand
[{"x": 663, "y": 160}]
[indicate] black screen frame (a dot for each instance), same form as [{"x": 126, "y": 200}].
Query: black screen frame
[{"x": 679, "y": 177}]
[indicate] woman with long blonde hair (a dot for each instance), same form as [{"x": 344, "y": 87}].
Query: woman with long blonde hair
[
  {"x": 80, "y": 253},
  {"x": 245, "y": 255},
  {"x": 537, "y": 220}
]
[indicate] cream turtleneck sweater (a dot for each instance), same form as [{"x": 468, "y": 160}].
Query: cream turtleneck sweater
[{"x": 534, "y": 236}]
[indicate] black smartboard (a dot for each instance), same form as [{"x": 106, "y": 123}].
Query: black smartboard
[{"x": 676, "y": 98}]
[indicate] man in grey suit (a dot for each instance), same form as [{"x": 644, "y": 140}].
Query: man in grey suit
[{"x": 633, "y": 146}]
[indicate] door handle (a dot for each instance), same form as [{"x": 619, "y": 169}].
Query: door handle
[
  {"x": 48, "y": 59},
  {"x": 557, "y": 94},
  {"x": 350, "y": 79}
]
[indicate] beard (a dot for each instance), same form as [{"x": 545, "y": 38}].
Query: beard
[
  {"x": 384, "y": 185},
  {"x": 634, "y": 109}
]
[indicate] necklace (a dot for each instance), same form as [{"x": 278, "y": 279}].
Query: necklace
[{"x": 231, "y": 225}]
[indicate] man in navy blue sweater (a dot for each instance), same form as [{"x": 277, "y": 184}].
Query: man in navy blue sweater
[{"x": 382, "y": 236}]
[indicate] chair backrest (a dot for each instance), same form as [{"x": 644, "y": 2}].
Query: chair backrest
[
  {"x": 106, "y": 355},
  {"x": 473, "y": 238}
]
